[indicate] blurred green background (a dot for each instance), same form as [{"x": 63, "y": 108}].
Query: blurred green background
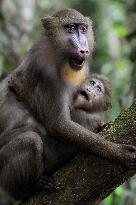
[{"x": 114, "y": 23}]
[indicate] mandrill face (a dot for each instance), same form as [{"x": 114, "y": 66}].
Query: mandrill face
[{"x": 73, "y": 36}]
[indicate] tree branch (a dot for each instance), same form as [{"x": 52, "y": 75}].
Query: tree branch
[{"x": 89, "y": 179}]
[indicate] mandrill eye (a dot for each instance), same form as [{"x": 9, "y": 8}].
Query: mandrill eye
[
  {"x": 99, "y": 88},
  {"x": 70, "y": 28},
  {"x": 84, "y": 28},
  {"x": 92, "y": 82}
]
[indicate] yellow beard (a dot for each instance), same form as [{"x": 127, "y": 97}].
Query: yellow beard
[{"x": 74, "y": 78}]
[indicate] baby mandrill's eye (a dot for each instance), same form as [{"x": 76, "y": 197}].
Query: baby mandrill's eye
[
  {"x": 99, "y": 88},
  {"x": 92, "y": 82}
]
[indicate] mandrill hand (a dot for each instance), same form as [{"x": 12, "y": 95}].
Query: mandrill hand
[{"x": 127, "y": 156}]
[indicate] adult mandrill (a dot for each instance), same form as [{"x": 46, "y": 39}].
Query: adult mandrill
[{"x": 35, "y": 101}]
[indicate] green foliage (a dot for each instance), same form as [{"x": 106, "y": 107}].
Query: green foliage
[
  {"x": 120, "y": 29},
  {"x": 115, "y": 198}
]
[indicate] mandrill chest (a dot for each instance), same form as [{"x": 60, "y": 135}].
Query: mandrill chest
[{"x": 74, "y": 77}]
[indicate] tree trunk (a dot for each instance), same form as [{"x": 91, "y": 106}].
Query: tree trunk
[{"x": 86, "y": 180}]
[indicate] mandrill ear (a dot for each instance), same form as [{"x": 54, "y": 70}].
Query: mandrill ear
[{"x": 46, "y": 20}]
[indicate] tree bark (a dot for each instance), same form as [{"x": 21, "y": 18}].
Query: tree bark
[{"x": 89, "y": 179}]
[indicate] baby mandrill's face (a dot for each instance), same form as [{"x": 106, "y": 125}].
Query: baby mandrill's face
[{"x": 92, "y": 88}]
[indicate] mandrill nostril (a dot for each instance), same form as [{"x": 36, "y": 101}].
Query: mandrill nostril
[{"x": 84, "y": 52}]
